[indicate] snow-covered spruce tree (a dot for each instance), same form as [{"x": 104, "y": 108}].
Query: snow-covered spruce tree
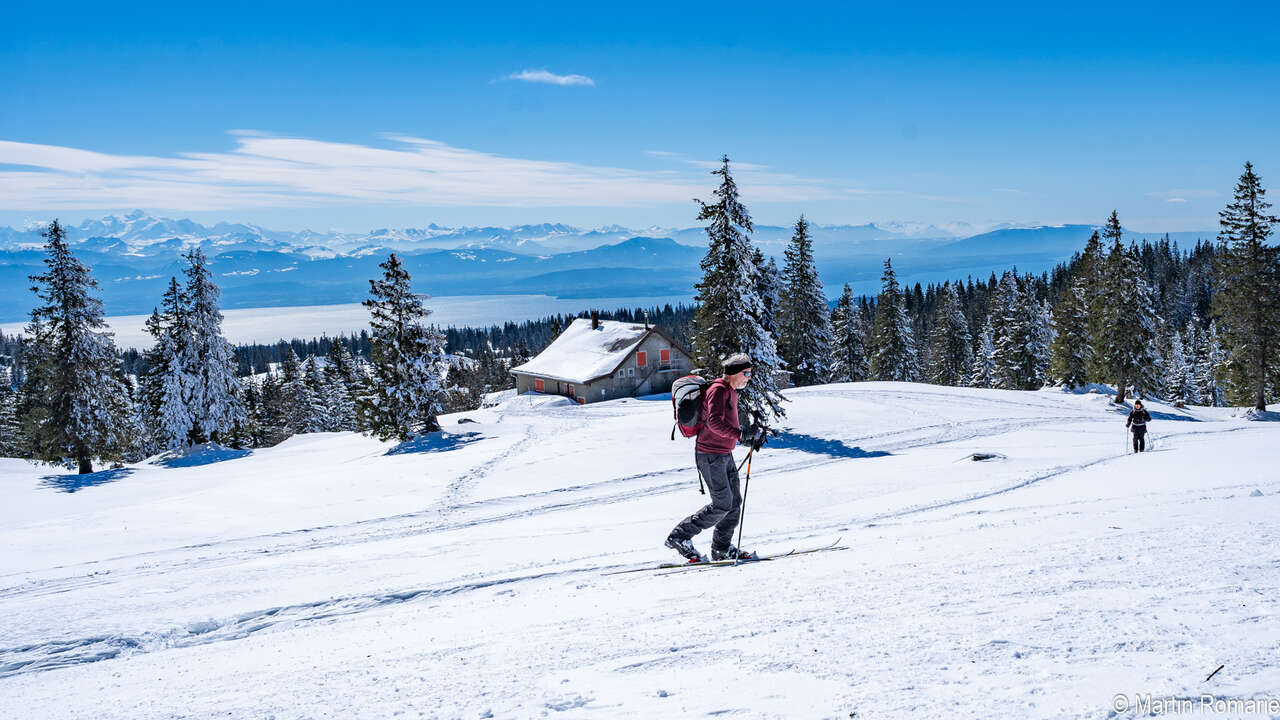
[
  {"x": 1042, "y": 334},
  {"x": 982, "y": 374},
  {"x": 1090, "y": 278},
  {"x": 1125, "y": 346},
  {"x": 893, "y": 347},
  {"x": 215, "y": 402},
  {"x": 1247, "y": 302},
  {"x": 731, "y": 316},
  {"x": 1069, "y": 353},
  {"x": 1180, "y": 379},
  {"x": 320, "y": 417},
  {"x": 804, "y": 331},
  {"x": 769, "y": 290},
  {"x": 1009, "y": 335},
  {"x": 848, "y": 341},
  {"x": 1027, "y": 352},
  {"x": 406, "y": 389},
  {"x": 75, "y": 404},
  {"x": 297, "y": 399},
  {"x": 273, "y": 417},
  {"x": 12, "y": 439},
  {"x": 950, "y": 356},
  {"x": 251, "y": 430},
  {"x": 341, "y": 387},
  {"x": 166, "y": 385},
  {"x": 1210, "y": 367}
]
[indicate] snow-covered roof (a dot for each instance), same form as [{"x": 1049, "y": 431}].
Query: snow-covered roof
[{"x": 582, "y": 354}]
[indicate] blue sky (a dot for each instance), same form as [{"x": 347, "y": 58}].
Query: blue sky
[{"x": 359, "y": 116}]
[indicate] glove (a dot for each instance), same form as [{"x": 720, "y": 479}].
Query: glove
[{"x": 760, "y": 440}]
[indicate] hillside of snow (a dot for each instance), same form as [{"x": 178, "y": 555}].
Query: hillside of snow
[{"x": 464, "y": 574}]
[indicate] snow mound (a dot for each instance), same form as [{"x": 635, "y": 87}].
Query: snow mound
[
  {"x": 1261, "y": 415},
  {"x": 538, "y": 401},
  {"x": 195, "y": 455},
  {"x": 494, "y": 399}
]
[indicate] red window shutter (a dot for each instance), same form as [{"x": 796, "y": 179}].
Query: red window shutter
[
  {"x": 539, "y": 386},
  {"x": 640, "y": 358},
  {"x": 664, "y": 356}
]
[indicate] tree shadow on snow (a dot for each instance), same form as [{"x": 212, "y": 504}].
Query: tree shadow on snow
[
  {"x": 196, "y": 455},
  {"x": 822, "y": 446},
  {"x": 70, "y": 483},
  {"x": 439, "y": 441},
  {"x": 1156, "y": 414}
]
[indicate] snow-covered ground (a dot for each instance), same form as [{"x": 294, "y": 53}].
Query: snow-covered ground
[{"x": 464, "y": 575}]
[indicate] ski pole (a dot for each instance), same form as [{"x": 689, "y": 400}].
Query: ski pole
[{"x": 742, "y": 517}]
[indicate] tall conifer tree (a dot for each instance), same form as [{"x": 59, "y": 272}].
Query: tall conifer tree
[
  {"x": 848, "y": 342},
  {"x": 1127, "y": 324},
  {"x": 1247, "y": 303},
  {"x": 893, "y": 346},
  {"x": 983, "y": 373},
  {"x": 1069, "y": 355},
  {"x": 406, "y": 391},
  {"x": 731, "y": 316},
  {"x": 166, "y": 386},
  {"x": 804, "y": 332},
  {"x": 215, "y": 402},
  {"x": 950, "y": 354},
  {"x": 76, "y": 404}
]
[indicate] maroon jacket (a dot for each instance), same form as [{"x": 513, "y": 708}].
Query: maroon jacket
[{"x": 720, "y": 431}]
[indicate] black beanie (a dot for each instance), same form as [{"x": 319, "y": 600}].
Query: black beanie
[{"x": 735, "y": 364}]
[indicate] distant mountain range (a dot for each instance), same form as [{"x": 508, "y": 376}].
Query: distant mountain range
[{"x": 134, "y": 255}]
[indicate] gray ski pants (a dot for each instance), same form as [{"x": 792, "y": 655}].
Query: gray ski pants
[{"x": 720, "y": 474}]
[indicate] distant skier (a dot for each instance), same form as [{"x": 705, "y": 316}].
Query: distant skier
[
  {"x": 713, "y": 454},
  {"x": 1138, "y": 419}
]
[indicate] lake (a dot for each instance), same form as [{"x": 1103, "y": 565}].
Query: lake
[{"x": 267, "y": 325}]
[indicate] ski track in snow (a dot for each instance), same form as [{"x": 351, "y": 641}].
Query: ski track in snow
[
  {"x": 455, "y": 511},
  {"x": 402, "y": 525},
  {"x": 35, "y": 658}
]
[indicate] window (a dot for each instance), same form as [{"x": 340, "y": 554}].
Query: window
[
  {"x": 640, "y": 359},
  {"x": 664, "y": 356},
  {"x": 571, "y": 390},
  {"x": 539, "y": 386}
]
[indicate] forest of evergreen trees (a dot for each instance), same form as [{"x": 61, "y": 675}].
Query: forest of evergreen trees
[{"x": 1196, "y": 325}]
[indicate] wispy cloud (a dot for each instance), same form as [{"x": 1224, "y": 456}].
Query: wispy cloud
[
  {"x": 263, "y": 171},
  {"x": 1181, "y": 196},
  {"x": 546, "y": 77},
  {"x": 702, "y": 164}
]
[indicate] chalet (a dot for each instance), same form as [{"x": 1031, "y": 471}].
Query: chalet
[{"x": 596, "y": 360}]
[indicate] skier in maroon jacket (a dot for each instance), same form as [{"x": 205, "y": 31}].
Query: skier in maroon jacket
[{"x": 713, "y": 454}]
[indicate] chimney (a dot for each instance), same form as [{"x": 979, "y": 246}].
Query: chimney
[
  {"x": 595, "y": 319},
  {"x": 646, "y": 319}
]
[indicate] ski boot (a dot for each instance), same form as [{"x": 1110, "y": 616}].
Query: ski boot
[
  {"x": 732, "y": 553},
  {"x": 685, "y": 548}
]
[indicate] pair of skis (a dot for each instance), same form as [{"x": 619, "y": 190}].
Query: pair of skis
[{"x": 707, "y": 564}]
